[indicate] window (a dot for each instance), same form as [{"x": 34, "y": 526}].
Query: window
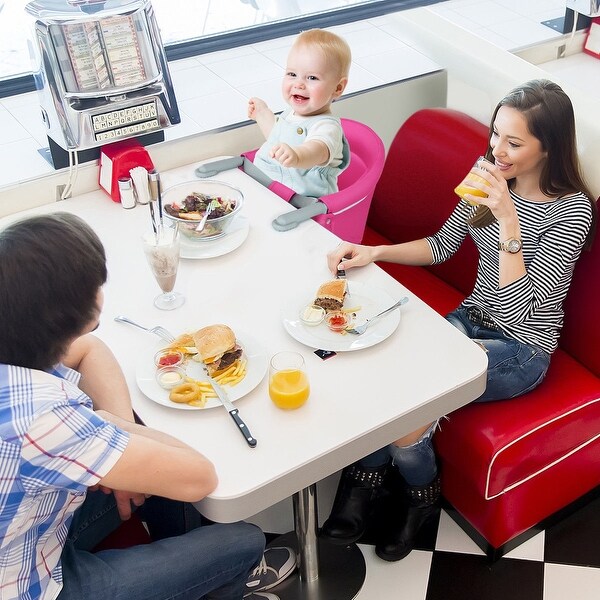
[{"x": 206, "y": 26}]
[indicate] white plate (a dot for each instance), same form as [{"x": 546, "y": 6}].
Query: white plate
[
  {"x": 370, "y": 300},
  {"x": 232, "y": 240},
  {"x": 256, "y": 370}
]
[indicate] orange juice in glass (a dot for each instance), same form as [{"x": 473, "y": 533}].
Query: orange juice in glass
[
  {"x": 288, "y": 382},
  {"x": 464, "y": 188}
]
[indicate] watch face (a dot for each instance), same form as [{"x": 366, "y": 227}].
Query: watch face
[{"x": 514, "y": 246}]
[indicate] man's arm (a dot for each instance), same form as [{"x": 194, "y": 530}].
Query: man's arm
[
  {"x": 159, "y": 464},
  {"x": 101, "y": 376},
  {"x": 153, "y": 463}
]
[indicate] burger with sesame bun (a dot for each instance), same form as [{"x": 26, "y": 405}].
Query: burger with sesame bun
[{"x": 217, "y": 348}]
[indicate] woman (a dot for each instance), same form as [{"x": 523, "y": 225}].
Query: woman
[{"x": 530, "y": 230}]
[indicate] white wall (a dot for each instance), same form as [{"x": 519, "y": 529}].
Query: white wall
[{"x": 480, "y": 74}]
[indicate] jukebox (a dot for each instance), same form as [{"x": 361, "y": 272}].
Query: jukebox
[{"x": 101, "y": 73}]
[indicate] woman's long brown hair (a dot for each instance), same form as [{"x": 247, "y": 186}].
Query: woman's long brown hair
[{"x": 550, "y": 118}]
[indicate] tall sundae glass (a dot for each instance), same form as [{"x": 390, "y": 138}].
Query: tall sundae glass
[{"x": 162, "y": 252}]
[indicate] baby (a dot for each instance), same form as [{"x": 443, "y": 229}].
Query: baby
[{"x": 305, "y": 148}]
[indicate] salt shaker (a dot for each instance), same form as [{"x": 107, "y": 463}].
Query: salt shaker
[{"x": 126, "y": 191}]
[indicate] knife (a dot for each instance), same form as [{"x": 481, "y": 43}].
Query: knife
[{"x": 233, "y": 412}]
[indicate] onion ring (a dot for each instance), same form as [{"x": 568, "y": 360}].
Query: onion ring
[{"x": 185, "y": 393}]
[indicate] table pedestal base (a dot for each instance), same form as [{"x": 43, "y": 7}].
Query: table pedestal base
[{"x": 342, "y": 572}]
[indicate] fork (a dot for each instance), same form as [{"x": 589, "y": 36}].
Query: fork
[
  {"x": 161, "y": 332},
  {"x": 341, "y": 274},
  {"x": 360, "y": 329},
  {"x": 211, "y": 206}
]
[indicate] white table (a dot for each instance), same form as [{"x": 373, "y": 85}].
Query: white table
[{"x": 359, "y": 400}]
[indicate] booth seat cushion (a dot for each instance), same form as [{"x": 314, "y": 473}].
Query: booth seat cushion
[
  {"x": 502, "y": 520},
  {"x": 507, "y": 443}
]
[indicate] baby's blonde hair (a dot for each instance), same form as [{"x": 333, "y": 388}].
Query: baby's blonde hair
[{"x": 333, "y": 46}]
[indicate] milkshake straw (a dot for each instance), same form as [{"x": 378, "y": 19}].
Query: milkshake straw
[
  {"x": 153, "y": 190},
  {"x": 156, "y": 193},
  {"x": 153, "y": 219}
]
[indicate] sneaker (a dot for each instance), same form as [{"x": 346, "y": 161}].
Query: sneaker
[
  {"x": 277, "y": 564},
  {"x": 261, "y": 596}
]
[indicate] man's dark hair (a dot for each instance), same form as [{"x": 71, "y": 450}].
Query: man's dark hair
[{"x": 51, "y": 269}]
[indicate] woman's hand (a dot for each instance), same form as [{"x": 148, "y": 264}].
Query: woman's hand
[
  {"x": 498, "y": 197},
  {"x": 352, "y": 255}
]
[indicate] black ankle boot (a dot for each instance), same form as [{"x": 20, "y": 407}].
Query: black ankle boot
[
  {"x": 423, "y": 502},
  {"x": 357, "y": 490}
]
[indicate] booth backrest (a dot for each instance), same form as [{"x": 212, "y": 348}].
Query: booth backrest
[
  {"x": 423, "y": 166},
  {"x": 580, "y": 336},
  {"x": 414, "y": 196}
]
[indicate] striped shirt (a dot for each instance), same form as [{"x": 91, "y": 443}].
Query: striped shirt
[
  {"x": 52, "y": 448},
  {"x": 529, "y": 309}
]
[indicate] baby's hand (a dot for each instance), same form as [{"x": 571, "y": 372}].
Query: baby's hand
[
  {"x": 285, "y": 155},
  {"x": 255, "y": 107}
]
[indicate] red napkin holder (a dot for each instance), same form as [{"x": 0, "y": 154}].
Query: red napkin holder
[
  {"x": 116, "y": 160},
  {"x": 592, "y": 40}
]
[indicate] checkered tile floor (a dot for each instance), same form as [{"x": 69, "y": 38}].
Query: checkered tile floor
[{"x": 561, "y": 563}]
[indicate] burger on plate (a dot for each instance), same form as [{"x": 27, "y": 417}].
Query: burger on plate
[
  {"x": 330, "y": 295},
  {"x": 217, "y": 348}
]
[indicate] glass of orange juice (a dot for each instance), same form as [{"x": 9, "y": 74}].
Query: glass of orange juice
[
  {"x": 464, "y": 188},
  {"x": 288, "y": 382}
]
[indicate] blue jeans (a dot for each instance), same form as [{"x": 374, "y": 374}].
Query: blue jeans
[
  {"x": 416, "y": 462},
  {"x": 514, "y": 368},
  {"x": 189, "y": 560}
]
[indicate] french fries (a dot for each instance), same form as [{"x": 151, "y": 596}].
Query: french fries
[
  {"x": 230, "y": 377},
  {"x": 352, "y": 309},
  {"x": 233, "y": 374}
]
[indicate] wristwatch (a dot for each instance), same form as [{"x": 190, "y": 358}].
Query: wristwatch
[{"x": 512, "y": 245}]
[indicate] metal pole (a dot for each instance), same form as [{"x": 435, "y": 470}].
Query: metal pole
[{"x": 305, "y": 521}]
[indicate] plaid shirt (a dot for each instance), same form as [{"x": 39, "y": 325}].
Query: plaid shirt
[{"x": 52, "y": 448}]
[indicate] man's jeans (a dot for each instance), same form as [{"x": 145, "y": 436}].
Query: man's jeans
[
  {"x": 190, "y": 561},
  {"x": 514, "y": 369}
]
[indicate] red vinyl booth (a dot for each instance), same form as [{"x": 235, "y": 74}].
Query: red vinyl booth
[
  {"x": 130, "y": 533},
  {"x": 508, "y": 467}
]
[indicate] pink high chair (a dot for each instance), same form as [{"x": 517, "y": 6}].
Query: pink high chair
[{"x": 344, "y": 212}]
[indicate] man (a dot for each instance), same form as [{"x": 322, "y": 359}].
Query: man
[{"x": 73, "y": 462}]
